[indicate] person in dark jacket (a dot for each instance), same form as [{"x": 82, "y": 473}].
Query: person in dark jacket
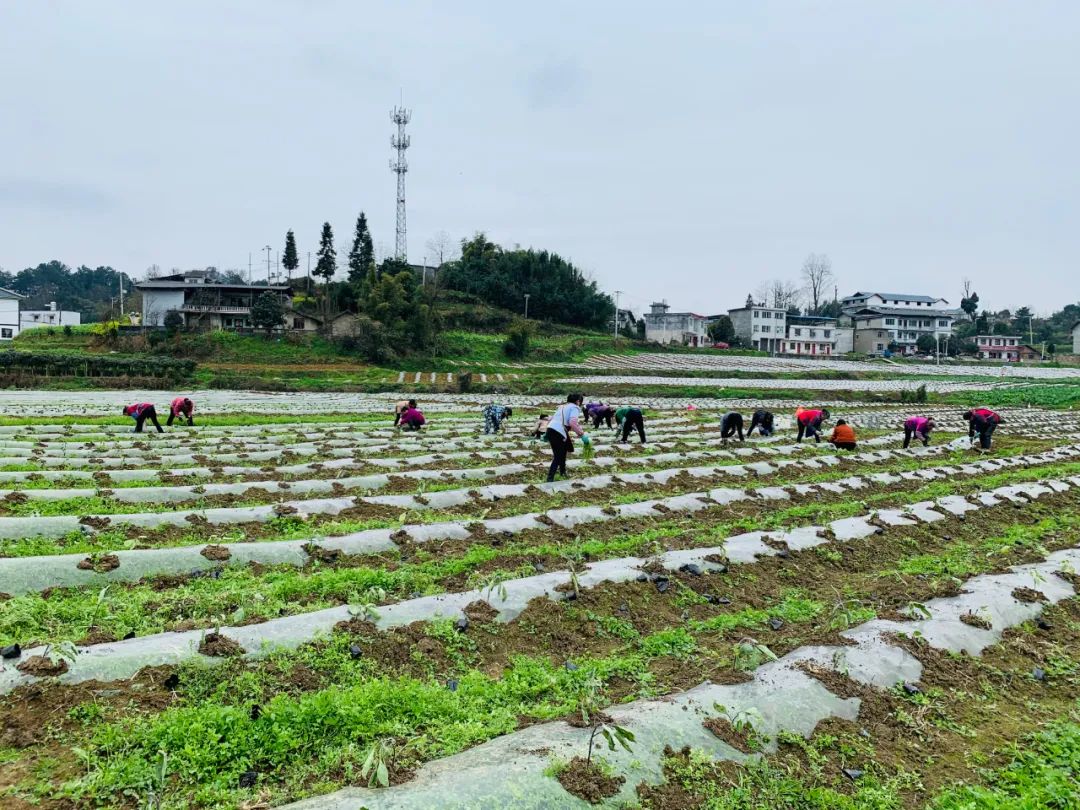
[
  {"x": 140, "y": 412},
  {"x": 630, "y": 417},
  {"x": 982, "y": 421},
  {"x": 181, "y": 408},
  {"x": 602, "y": 413},
  {"x": 763, "y": 421},
  {"x": 810, "y": 421},
  {"x": 730, "y": 424}
]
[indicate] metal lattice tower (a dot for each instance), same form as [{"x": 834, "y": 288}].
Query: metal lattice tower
[{"x": 400, "y": 142}]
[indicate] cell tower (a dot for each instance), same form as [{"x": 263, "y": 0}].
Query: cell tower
[{"x": 400, "y": 142}]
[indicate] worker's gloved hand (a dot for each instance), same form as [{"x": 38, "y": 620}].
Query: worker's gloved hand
[{"x": 586, "y": 438}]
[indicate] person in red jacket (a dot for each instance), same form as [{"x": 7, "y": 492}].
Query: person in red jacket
[
  {"x": 140, "y": 412},
  {"x": 982, "y": 421},
  {"x": 181, "y": 408},
  {"x": 809, "y": 421}
]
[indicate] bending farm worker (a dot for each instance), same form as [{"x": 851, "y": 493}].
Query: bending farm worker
[
  {"x": 494, "y": 416},
  {"x": 730, "y": 424},
  {"x": 843, "y": 436},
  {"x": 918, "y": 427},
  {"x": 603, "y": 413},
  {"x": 401, "y": 407},
  {"x": 411, "y": 417},
  {"x": 630, "y": 417},
  {"x": 566, "y": 419},
  {"x": 982, "y": 421},
  {"x": 763, "y": 420},
  {"x": 809, "y": 421},
  {"x": 140, "y": 412},
  {"x": 181, "y": 407}
]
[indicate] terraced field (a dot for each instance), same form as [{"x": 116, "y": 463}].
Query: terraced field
[{"x": 293, "y": 604}]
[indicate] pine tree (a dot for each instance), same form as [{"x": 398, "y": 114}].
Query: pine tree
[
  {"x": 290, "y": 259},
  {"x": 326, "y": 266},
  {"x": 362, "y": 254}
]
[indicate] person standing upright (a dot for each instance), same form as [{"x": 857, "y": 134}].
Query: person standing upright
[{"x": 566, "y": 419}]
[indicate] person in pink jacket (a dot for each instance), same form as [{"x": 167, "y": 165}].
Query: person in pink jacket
[
  {"x": 918, "y": 427},
  {"x": 181, "y": 408}
]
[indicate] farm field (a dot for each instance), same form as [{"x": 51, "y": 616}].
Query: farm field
[{"x": 293, "y": 604}]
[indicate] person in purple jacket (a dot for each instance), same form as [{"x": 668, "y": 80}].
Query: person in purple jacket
[{"x": 918, "y": 427}]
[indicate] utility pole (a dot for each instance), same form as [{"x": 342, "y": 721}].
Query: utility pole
[
  {"x": 121, "y": 297},
  {"x": 399, "y": 166},
  {"x": 249, "y": 267},
  {"x": 527, "y": 306},
  {"x": 267, "y": 249},
  {"x": 309, "y": 272},
  {"x": 615, "y": 336}
]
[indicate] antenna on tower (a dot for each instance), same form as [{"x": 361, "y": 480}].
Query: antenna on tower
[{"x": 400, "y": 142}]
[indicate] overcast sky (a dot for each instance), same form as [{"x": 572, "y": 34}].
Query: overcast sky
[{"x": 680, "y": 150}]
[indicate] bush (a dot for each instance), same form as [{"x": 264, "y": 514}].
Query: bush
[
  {"x": 68, "y": 331},
  {"x": 519, "y": 334},
  {"x": 90, "y": 365}
]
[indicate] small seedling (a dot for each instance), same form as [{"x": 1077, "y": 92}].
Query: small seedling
[
  {"x": 589, "y": 702},
  {"x": 365, "y": 611},
  {"x": 495, "y": 583},
  {"x": 375, "y": 768},
  {"x": 750, "y": 654}
]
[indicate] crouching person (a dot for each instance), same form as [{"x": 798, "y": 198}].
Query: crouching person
[
  {"x": 763, "y": 421},
  {"x": 401, "y": 407},
  {"x": 412, "y": 418},
  {"x": 843, "y": 436}
]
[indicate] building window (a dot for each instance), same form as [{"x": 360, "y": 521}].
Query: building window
[
  {"x": 757, "y": 314},
  {"x": 797, "y": 332},
  {"x": 297, "y": 323},
  {"x": 757, "y": 328},
  {"x": 764, "y": 329},
  {"x": 890, "y": 321},
  {"x": 813, "y": 333},
  {"x": 828, "y": 333},
  {"x": 944, "y": 324},
  {"x": 5, "y": 333}
]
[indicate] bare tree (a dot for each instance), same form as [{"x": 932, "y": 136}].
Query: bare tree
[
  {"x": 817, "y": 277},
  {"x": 784, "y": 294},
  {"x": 441, "y": 248},
  {"x": 153, "y": 271}
]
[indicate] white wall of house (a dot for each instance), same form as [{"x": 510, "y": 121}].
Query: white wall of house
[
  {"x": 9, "y": 317},
  {"x": 30, "y": 318},
  {"x": 156, "y": 303},
  {"x": 760, "y": 327},
  {"x": 1076, "y": 339}
]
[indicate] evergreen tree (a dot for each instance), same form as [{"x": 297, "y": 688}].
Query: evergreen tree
[
  {"x": 326, "y": 266},
  {"x": 267, "y": 312},
  {"x": 362, "y": 254},
  {"x": 290, "y": 259}
]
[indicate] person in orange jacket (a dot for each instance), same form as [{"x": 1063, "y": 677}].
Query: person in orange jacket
[{"x": 843, "y": 436}]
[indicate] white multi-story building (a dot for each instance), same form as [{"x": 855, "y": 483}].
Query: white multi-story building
[
  {"x": 881, "y": 320},
  {"x": 30, "y": 318},
  {"x": 999, "y": 347},
  {"x": 9, "y": 313},
  {"x": 760, "y": 327},
  {"x": 816, "y": 336},
  {"x": 662, "y": 326},
  {"x": 860, "y": 300}
]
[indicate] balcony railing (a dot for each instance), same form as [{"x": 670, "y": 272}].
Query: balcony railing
[{"x": 216, "y": 308}]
